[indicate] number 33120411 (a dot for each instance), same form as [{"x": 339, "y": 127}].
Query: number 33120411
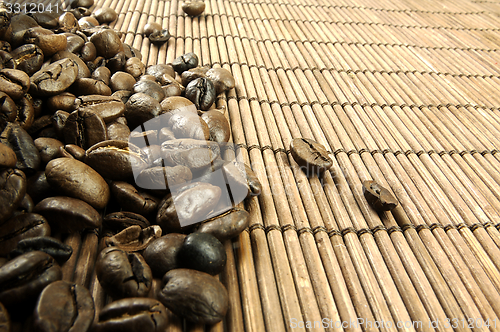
[{"x": 31, "y": 8}]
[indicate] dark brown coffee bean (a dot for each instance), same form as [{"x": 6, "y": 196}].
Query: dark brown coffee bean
[
  {"x": 134, "y": 67},
  {"x": 227, "y": 225},
  {"x": 5, "y": 325},
  {"x": 122, "y": 81},
  {"x": 54, "y": 78},
  {"x": 222, "y": 79},
  {"x": 14, "y": 82},
  {"x": 26, "y": 206},
  {"x": 192, "y": 74},
  {"x": 311, "y": 156},
  {"x": 38, "y": 188},
  {"x": 76, "y": 179},
  {"x": 118, "y": 221},
  {"x": 145, "y": 138},
  {"x": 8, "y": 108},
  {"x": 46, "y": 19},
  {"x": 150, "y": 88},
  {"x": 49, "y": 42},
  {"x": 89, "y": 86},
  {"x": 64, "y": 307},
  {"x": 195, "y": 154},
  {"x": 105, "y": 15},
  {"x": 41, "y": 126},
  {"x": 253, "y": 181},
  {"x": 59, "y": 121},
  {"x": 28, "y": 158},
  {"x": 102, "y": 74},
  {"x": 123, "y": 274},
  {"x": 23, "y": 226},
  {"x": 194, "y": 295},
  {"x": 64, "y": 101},
  {"x": 379, "y": 197},
  {"x": 12, "y": 191},
  {"x": 218, "y": 126},
  {"x": 24, "y": 277},
  {"x": 116, "y": 160},
  {"x": 107, "y": 43},
  {"x": 173, "y": 103},
  {"x": 130, "y": 198},
  {"x": 117, "y": 131},
  {"x": 160, "y": 36},
  {"x": 82, "y": 3},
  {"x": 83, "y": 69},
  {"x": 84, "y": 128},
  {"x": 185, "y": 62},
  {"x": 159, "y": 69},
  {"x": 88, "y": 52},
  {"x": 193, "y": 8},
  {"x": 6, "y": 60},
  {"x": 186, "y": 123},
  {"x": 8, "y": 157},
  {"x": 161, "y": 254},
  {"x": 74, "y": 151},
  {"x": 172, "y": 90},
  {"x": 202, "y": 252},
  {"x": 117, "y": 62},
  {"x": 25, "y": 112},
  {"x": 68, "y": 23},
  {"x": 18, "y": 26},
  {"x": 134, "y": 238},
  {"x": 133, "y": 314},
  {"x": 201, "y": 92},
  {"x": 140, "y": 108},
  {"x": 68, "y": 214},
  {"x": 87, "y": 22},
  {"x": 48, "y": 148},
  {"x": 187, "y": 207},
  {"x": 151, "y": 27},
  {"x": 107, "y": 107},
  {"x": 163, "y": 178},
  {"x": 55, "y": 248}
]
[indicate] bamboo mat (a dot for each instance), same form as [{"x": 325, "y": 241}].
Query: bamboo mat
[{"x": 403, "y": 92}]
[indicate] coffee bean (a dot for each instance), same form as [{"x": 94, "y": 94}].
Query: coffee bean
[
  {"x": 59, "y": 121},
  {"x": 28, "y": 157},
  {"x": 74, "y": 43},
  {"x": 12, "y": 191},
  {"x": 151, "y": 27},
  {"x": 201, "y": 92},
  {"x": 192, "y": 74},
  {"x": 172, "y": 90},
  {"x": 173, "y": 103},
  {"x": 38, "y": 188},
  {"x": 159, "y": 69},
  {"x": 193, "y": 8},
  {"x": 8, "y": 157},
  {"x": 186, "y": 123},
  {"x": 6, "y": 60},
  {"x": 130, "y": 198},
  {"x": 133, "y": 314},
  {"x": 150, "y": 88},
  {"x": 14, "y": 82},
  {"x": 49, "y": 42},
  {"x": 89, "y": 86},
  {"x": 161, "y": 254},
  {"x": 83, "y": 69},
  {"x": 117, "y": 62},
  {"x": 46, "y": 19},
  {"x": 185, "y": 62},
  {"x": 55, "y": 248},
  {"x": 118, "y": 221},
  {"x": 54, "y": 79},
  {"x": 48, "y": 148},
  {"x": 28, "y": 58},
  {"x": 140, "y": 108},
  {"x": 195, "y": 154},
  {"x": 122, "y": 81},
  {"x": 202, "y": 252},
  {"x": 162, "y": 178},
  {"x": 25, "y": 112},
  {"x": 64, "y": 101},
  {"x": 87, "y": 22},
  {"x": 102, "y": 74},
  {"x": 107, "y": 107},
  {"x": 105, "y": 15},
  {"x": 123, "y": 274},
  {"x": 194, "y": 295},
  {"x": 253, "y": 181},
  {"x": 82, "y": 3},
  {"x": 117, "y": 131},
  {"x": 379, "y": 197},
  {"x": 134, "y": 238},
  {"x": 222, "y": 79},
  {"x": 18, "y": 26},
  {"x": 84, "y": 128},
  {"x": 107, "y": 42},
  {"x": 68, "y": 214},
  {"x": 218, "y": 126},
  {"x": 227, "y": 225},
  {"x": 23, "y": 226},
  {"x": 135, "y": 67},
  {"x": 8, "y": 108},
  {"x": 68, "y": 23},
  {"x": 148, "y": 138},
  {"x": 310, "y": 155},
  {"x": 24, "y": 277},
  {"x": 160, "y": 36}
]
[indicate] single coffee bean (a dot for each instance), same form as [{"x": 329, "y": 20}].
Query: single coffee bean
[
  {"x": 192, "y": 74},
  {"x": 8, "y": 108},
  {"x": 202, "y": 252},
  {"x": 87, "y": 22},
  {"x": 201, "y": 92},
  {"x": 379, "y": 197},
  {"x": 64, "y": 101},
  {"x": 122, "y": 81},
  {"x": 107, "y": 107},
  {"x": 28, "y": 58},
  {"x": 26, "y": 206},
  {"x": 117, "y": 62},
  {"x": 42, "y": 127},
  {"x": 6, "y": 60},
  {"x": 161, "y": 254},
  {"x": 123, "y": 274},
  {"x": 253, "y": 181},
  {"x": 162, "y": 178},
  {"x": 89, "y": 86},
  {"x": 48, "y": 148},
  {"x": 218, "y": 126},
  {"x": 25, "y": 112},
  {"x": 84, "y": 128},
  {"x": 83, "y": 69},
  {"x": 140, "y": 108},
  {"x": 105, "y": 15},
  {"x": 144, "y": 138},
  {"x": 133, "y": 314},
  {"x": 222, "y": 79},
  {"x": 107, "y": 42},
  {"x": 160, "y": 36},
  {"x": 185, "y": 62},
  {"x": 151, "y": 27},
  {"x": 150, "y": 88},
  {"x": 46, "y": 20},
  {"x": 118, "y": 221},
  {"x": 68, "y": 214},
  {"x": 5, "y": 325},
  {"x": 117, "y": 131},
  {"x": 68, "y": 23},
  {"x": 130, "y": 198},
  {"x": 186, "y": 123},
  {"x": 74, "y": 43},
  {"x": 8, "y": 157},
  {"x": 193, "y": 8},
  {"x": 64, "y": 307},
  {"x": 227, "y": 225},
  {"x": 172, "y": 90},
  {"x": 195, "y": 154},
  {"x": 88, "y": 52},
  {"x": 38, "y": 188},
  {"x": 116, "y": 160},
  {"x": 54, "y": 79},
  {"x": 12, "y": 191},
  {"x": 23, "y": 226},
  {"x": 159, "y": 69},
  {"x": 134, "y": 238},
  {"x": 310, "y": 155},
  {"x": 102, "y": 74},
  {"x": 59, "y": 121},
  {"x": 18, "y": 26},
  {"x": 14, "y": 82},
  {"x": 194, "y": 295},
  {"x": 48, "y": 41},
  {"x": 135, "y": 67},
  {"x": 28, "y": 157},
  {"x": 24, "y": 277},
  {"x": 55, "y": 248},
  {"x": 82, "y": 3},
  {"x": 74, "y": 151},
  {"x": 174, "y": 103}
]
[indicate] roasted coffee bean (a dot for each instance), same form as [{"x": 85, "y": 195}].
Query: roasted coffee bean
[
  {"x": 74, "y": 43},
  {"x": 14, "y": 82},
  {"x": 185, "y": 62},
  {"x": 23, "y": 226},
  {"x": 68, "y": 23},
  {"x": 154, "y": 155},
  {"x": 134, "y": 67},
  {"x": 88, "y": 52},
  {"x": 59, "y": 121},
  {"x": 82, "y": 3},
  {"x": 83, "y": 69},
  {"x": 84, "y": 128},
  {"x": 116, "y": 160},
  {"x": 89, "y": 86},
  {"x": 161, "y": 254},
  {"x": 194, "y": 295},
  {"x": 150, "y": 88},
  {"x": 311, "y": 156},
  {"x": 134, "y": 238},
  {"x": 55, "y": 248},
  {"x": 133, "y": 314},
  {"x": 123, "y": 274},
  {"x": 107, "y": 107},
  {"x": 160, "y": 36},
  {"x": 105, "y": 15},
  {"x": 195, "y": 154},
  {"x": 26, "y": 206},
  {"x": 23, "y": 278},
  {"x": 130, "y": 198},
  {"x": 186, "y": 123},
  {"x": 219, "y": 128},
  {"x": 118, "y": 221},
  {"x": 64, "y": 307},
  {"x": 122, "y": 81},
  {"x": 148, "y": 137},
  {"x": 48, "y": 148},
  {"x": 117, "y": 62},
  {"x": 187, "y": 207},
  {"x": 5, "y": 325},
  {"x": 12, "y": 191},
  {"x": 68, "y": 214},
  {"x": 222, "y": 79},
  {"x": 49, "y": 42},
  {"x": 25, "y": 112},
  {"x": 202, "y": 252},
  {"x": 107, "y": 42},
  {"x": 102, "y": 74},
  {"x": 46, "y": 19},
  {"x": 117, "y": 131},
  {"x": 193, "y": 8},
  {"x": 87, "y": 22},
  {"x": 172, "y": 90},
  {"x": 76, "y": 179},
  {"x": 192, "y": 74},
  {"x": 163, "y": 178},
  {"x": 140, "y": 108},
  {"x": 6, "y": 60},
  {"x": 18, "y": 26},
  {"x": 28, "y": 58},
  {"x": 38, "y": 188},
  {"x": 227, "y": 225},
  {"x": 54, "y": 79},
  {"x": 174, "y": 103},
  {"x": 379, "y": 197},
  {"x": 5, "y": 46},
  {"x": 8, "y": 108},
  {"x": 74, "y": 151},
  {"x": 201, "y": 92},
  {"x": 28, "y": 158},
  {"x": 159, "y": 69},
  {"x": 8, "y": 157},
  {"x": 64, "y": 101},
  {"x": 151, "y": 27}
]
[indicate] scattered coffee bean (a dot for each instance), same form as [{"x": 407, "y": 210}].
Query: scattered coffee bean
[
  {"x": 222, "y": 79},
  {"x": 202, "y": 252},
  {"x": 160, "y": 36},
  {"x": 310, "y": 155},
  {"x": 185, "y": 62},
  {"x": 227, "y": 225},
  {"x": 161, "y": 254},
  {"x": 379, "y": 197},
  {"x": 193, "y": 8},
  {"x": 134, "y": 238},
  {"x": 130, "y": 198},
  {"x": 55, "y": 78},
  {"x": 55, "y": 248},
  {"x": 201, "y": 92},
  {"x": 151, "y": 27}
]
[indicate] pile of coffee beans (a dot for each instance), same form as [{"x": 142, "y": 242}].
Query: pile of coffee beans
[{"x": 93, "y": 139}]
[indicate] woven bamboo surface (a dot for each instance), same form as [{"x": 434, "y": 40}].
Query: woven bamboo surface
[{"x": 403, "y": 92}]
